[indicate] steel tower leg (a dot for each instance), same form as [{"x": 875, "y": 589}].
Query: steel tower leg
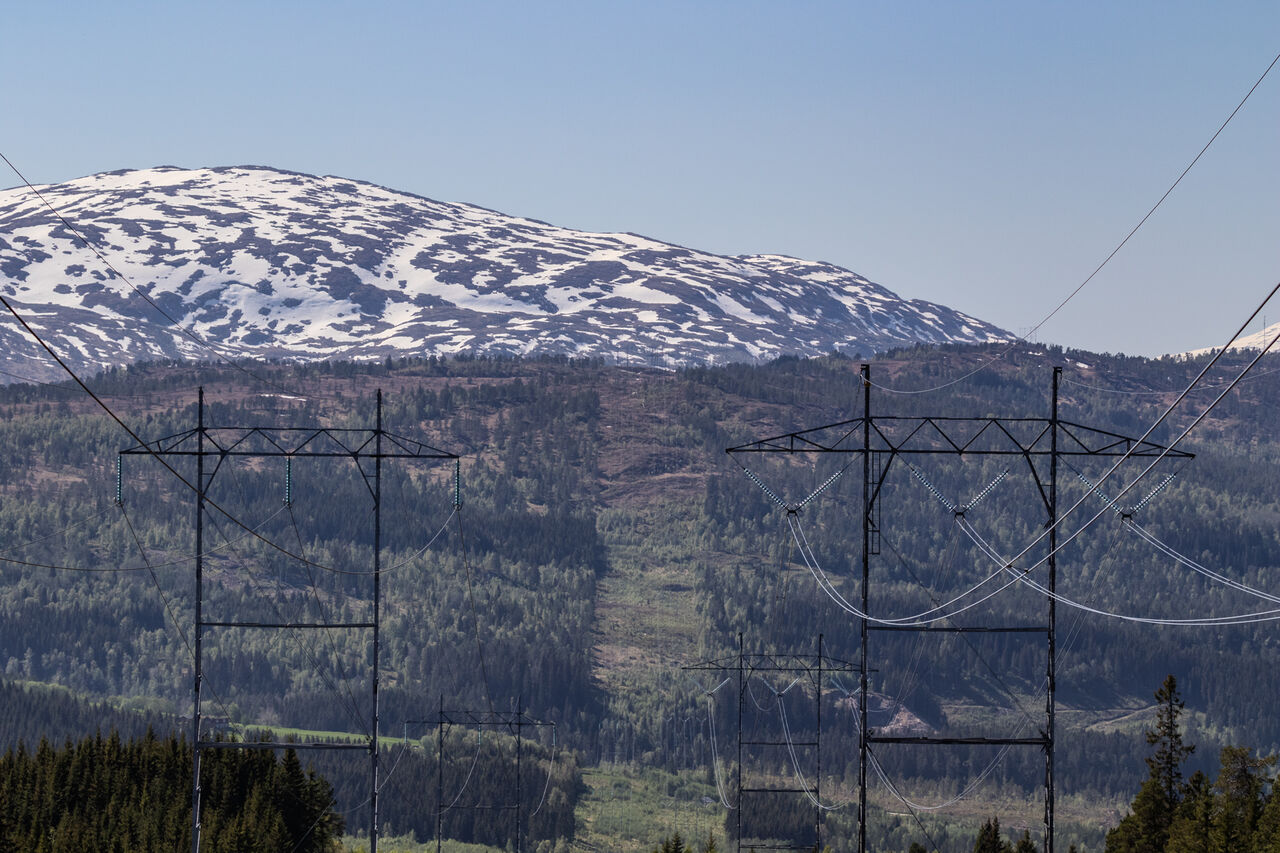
[
  {"x": 866, "y": 574},
  {"x": 741, "y": 698},
  {"x": 197, "y": 651},
  {"x": 377, "y": 621},
  {"x": 1051, "y": 665}
]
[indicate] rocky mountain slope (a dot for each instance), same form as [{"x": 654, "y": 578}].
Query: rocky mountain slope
[{"x": 256, "y": 262}]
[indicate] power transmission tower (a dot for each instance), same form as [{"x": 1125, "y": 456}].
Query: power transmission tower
[
  {"x": 513, "y": 721},
  {"x": 816, "y": 669},
  {"x": 1041, "y": 443},
  {"x": 367, "y": 448}
]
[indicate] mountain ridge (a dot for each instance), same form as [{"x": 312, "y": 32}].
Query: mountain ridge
[
  {"x": 266, "y": 263},
  {"x": 1249, "y": 341}
]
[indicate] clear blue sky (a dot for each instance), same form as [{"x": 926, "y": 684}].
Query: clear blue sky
[{"x": 980, "y": 154}]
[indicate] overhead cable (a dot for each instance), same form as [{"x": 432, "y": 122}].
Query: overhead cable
[
  {"x": 551, "y": 769},
  {"x": 936, "y": 613},
  {"x": 1057, "y": 522},
  {"x": 199, "y": 341},
  {"x": 169, "y": 608},
  {"x": 1023, "y": 339},
  {"x": 348, "y": 701},
  {"x": 1141, "y": 532},
  {"x": 1024, "y": 578},
  {"x": 475, "y": 761},
  {"x": 209, "y": 502},
  {"x": 1206, "y": 387},
  {"x": 715, "y": 754},
  {"x": 324, "y": 619},
  {"x": 124, "y": 569}
]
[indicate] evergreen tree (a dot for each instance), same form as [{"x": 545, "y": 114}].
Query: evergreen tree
[
  {"x": 989, "y": 840},
  {"x": 1192, "y": 827},
  {"x": 672, "y": 844},
  {"x": 1240, "y": 785},
  {"x": 1267, "y": 835},
  {"x": 1166, "y": 764},
  {"x": 676, "y": 844},
  {"x": 99, "y": 794},
  {"x": 1146, "y": 828}
]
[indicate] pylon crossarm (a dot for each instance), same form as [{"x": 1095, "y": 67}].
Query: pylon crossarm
[
  {"x": 804, "y": 441},
  {"x": 288, "y": 442},
  {"x": 978, "y": 436},
  {"x": 775, "y": 663}
]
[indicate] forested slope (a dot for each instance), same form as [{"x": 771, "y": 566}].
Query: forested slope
[{"x": 605, "y": 540}]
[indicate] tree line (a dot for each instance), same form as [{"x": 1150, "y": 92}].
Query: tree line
[
  {"x": 107, "y": 794},
  {"x": 1235, "y": 812},
  {"x": 505, "y": 605}
]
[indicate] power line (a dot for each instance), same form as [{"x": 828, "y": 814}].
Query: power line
[
  {"x": 1179, "y": 557},
  {"x": 1023, "y": 339},
  {"x": 199, "y": 341},
  {"x": 475, "y": 616},
  {"x": 56, "y": 533},
  {"x": 324, "y": 618},
  {"x": 934, "y": 614},
  {"x": 1159, "y": 458},
  {"x": 1131, "y": 393},
  {"x": 122, "y": 569},
  {"x": 1023, "y": 577},
  {"x": 34, "y": 381},
  {"x": 349, "y": 703},
  {"x": 146, "y": 448},
  {"x": 963, "y": 636},
  {"x": 169, "y": 608}
]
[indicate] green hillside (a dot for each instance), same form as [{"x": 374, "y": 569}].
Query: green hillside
[{"x": 606, "y": 540}]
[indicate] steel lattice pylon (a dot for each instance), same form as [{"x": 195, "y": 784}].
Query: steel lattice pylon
[
  {"x": 367, "y": 448},
  {"x": 1040, "y": 442},
  {"x": 515, "y": 722},
  {"x": 816, "y": 668}
]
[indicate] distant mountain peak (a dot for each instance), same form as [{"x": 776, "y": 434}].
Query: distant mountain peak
[
  {"x": 265, "y": 263},
  {"x": 1254, "y": 341}
]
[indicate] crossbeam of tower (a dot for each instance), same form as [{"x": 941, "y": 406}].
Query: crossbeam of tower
[
  {"x": 212, "y": 447},
  {"x": 880, "y": 440}
]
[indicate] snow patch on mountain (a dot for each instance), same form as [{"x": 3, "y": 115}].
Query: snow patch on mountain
[
  {"x": 262, "y": 263},
  {"x": 1255, "y": 341}
]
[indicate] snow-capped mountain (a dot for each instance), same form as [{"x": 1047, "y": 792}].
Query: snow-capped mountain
[
  {"x": 1254, "y": 341},
  {"x": 261, "y": 263}
]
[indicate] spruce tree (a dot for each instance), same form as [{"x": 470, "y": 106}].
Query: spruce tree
[
  {"x": 1146, "y": 828},
  {"x": 1192, "y": 827},
  {"x": 989, "y": 840},
  {"x": 1241, "y": 782},
  {"x": 1166, "y": 764},
  {"x": 1266, "y": 838}
]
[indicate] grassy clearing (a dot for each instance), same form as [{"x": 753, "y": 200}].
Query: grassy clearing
[
  {"x": 646, "y": 611},
  {"x": 631, "y": 811},
  {"x": 406, "y": 844},
  {"x": 282, "y": 733}
]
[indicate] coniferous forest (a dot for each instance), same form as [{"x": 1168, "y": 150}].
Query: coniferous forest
[
  {"x": 605, "y": 541},
  {"x": 105, "y": 794}
]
